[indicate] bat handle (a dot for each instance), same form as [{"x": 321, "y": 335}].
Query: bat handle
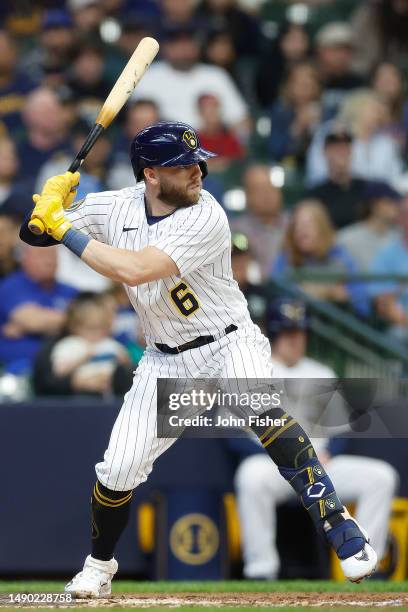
[
  {"x": 92, "y": 137},
  {"x": 76, "y": 164},
  {"x": 36, "y": 227}
]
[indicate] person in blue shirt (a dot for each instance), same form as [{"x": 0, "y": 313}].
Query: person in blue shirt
[
  {"x": 47, "y": 132},
  {"x": 295, "y": 114},
  {"x": 32, "y": 307},
  {"x": 14, "y": 85},
  {"x": 309, "y": 246},
  {"x": 391, "y": 296}
]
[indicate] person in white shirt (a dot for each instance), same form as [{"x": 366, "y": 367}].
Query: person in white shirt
[
  {"x": 176, "y": 83},
  {"x": 368, "y": 482}
]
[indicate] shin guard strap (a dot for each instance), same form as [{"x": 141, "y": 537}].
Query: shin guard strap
[
  {"x": 325, "y": 507},
  {"x": 300, "y": 478}
]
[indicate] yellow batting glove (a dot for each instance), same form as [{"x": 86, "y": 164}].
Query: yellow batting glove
[
  {"x": 62, "y": 186},
  {"x": 48, "y": 209}
]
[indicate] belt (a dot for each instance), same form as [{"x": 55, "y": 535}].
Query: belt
[{"x": 200, "y": 341}]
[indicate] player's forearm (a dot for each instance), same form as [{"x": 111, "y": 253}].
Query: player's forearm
[
  {"x": 119, "y": 265},
  {"x": 129, "y": 267}
]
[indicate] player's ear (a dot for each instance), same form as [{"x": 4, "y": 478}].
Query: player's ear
[{"x": 150, "y": 176}]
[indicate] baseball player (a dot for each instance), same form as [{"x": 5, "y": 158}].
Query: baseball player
[
  {"x": 371, "y": 483},
  {"x": 168, "y": 241}
]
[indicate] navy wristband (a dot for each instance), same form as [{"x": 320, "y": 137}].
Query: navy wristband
[{"x": 75, "y": 241}]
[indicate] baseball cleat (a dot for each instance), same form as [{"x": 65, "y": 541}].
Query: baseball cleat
[
  {"x": 94, "y": 581},
  {"x": 361, "y": 565}
]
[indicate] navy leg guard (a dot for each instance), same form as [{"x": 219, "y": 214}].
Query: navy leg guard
[
  {"x": 320, "y": 499},
  {"x": 346, "y": 538}
]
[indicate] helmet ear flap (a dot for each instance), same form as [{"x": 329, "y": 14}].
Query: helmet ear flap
[{"x": 203, "y": 168}]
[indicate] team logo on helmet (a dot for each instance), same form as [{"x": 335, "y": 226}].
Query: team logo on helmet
[
  {"x": 190, "y": 139},
  {"x": 294, "y": 312}
]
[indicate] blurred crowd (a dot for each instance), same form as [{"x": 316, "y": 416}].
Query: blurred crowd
[{"x": 305, "y": 104}]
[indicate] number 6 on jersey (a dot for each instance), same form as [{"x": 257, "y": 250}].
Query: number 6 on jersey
[{"x": 184, "y": 299}]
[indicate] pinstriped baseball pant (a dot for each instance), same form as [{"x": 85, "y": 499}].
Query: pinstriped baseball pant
[{"x": 133, "y": 445}]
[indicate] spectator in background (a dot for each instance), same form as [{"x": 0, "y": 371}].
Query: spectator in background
[
  {"x": 9, "y": 228},
  {"x": 139, "y": 114},
  {"x": 32, "y": 307},
  {"x": 176, "y": 13},
  {"x": 94, "y": 167},
  {"x": 292, "y": 45},
  {"x": 245, "y": 270},
  {"x": 380, "y": 212},
  {"x": 375, "y": 154},
  {"x": 334, "y": 56},
  {"x": 295, "y": 114},
  {"x": 47, "y": 132},
  {"x": 14, "y": 86},
  {"x": 391, "y": 297},
  {"x": 215, "y": 136},
  {"x": 309, "y": 246},
  {"x": 126, "y": 327},
  {"x": 87, "y": 15},
  {"x": 219, "y": 50},
  {"x": 14, "y": 194},
  {"x": 342, "y": 192},
  {"x": 135, "y": 26},
  {"x": 85, "y": 359},
  {"x": 370, "y": 483},
  {"x": 387, "y": 82},
  {"x": 176, "y": 83},
  {"x": 51, "y": 58},
  {"x": 86, "y": 78},
  {"x": 243, "y": 27},
  {"x": 264, "y": 222},
  {"x": 379, "y": 32}
]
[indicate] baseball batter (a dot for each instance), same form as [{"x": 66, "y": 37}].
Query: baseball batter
[{"x": 168, "y": 241}]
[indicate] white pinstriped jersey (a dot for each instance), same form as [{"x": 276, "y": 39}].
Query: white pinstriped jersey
[{"x": 204, "y": 299}]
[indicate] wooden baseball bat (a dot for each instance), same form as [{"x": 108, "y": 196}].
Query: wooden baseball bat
[{"x": 137, "y": 65}]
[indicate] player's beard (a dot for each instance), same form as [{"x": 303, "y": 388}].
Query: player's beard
[{"x": 172, "y": 195}]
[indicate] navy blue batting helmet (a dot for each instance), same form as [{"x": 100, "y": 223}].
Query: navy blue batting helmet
[
  {"x": 167, "y": 144},
  {"x": 285, "y": 314}
]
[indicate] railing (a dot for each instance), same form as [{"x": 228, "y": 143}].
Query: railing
[{"x": 338, "y": 338}]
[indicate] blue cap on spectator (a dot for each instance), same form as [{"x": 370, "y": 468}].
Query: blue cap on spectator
[
  {"x": 376, "y": 190},
  {"x": 56, "y": 18},
  {"x": 285, "y": 314}
]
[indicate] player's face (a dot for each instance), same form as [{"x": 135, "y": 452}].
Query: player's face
[
  {"x": 179, "y": 186},
  {"x": 290, "y": 346}
]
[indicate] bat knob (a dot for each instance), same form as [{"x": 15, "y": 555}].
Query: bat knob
[{"x": 36, "y": 227}]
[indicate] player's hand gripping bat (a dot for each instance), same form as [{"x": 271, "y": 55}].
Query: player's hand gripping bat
[{"x": 141, "y": 59}]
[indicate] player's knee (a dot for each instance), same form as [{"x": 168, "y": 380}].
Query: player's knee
[
  {"x": 125, "y": 475},
  {"x": 387, "y": 478}
]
